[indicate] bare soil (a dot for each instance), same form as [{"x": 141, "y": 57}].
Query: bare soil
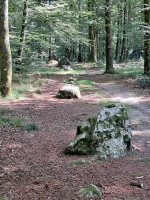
[{"x": 33, "y": 165}]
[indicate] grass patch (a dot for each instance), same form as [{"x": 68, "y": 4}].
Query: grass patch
[
  {"x": 76, "y": 70},
  {"x": 134, "y": 153},
  {"x": 27, "y": 84},
  {"x": 7, "y": 120},
  {"x": 13, "y": 121},
  {"x": 4, "y": 111},
  {"x": 130, "y": 106},
  {"x": 87, "y": 87},
  {"x": 79, "y": 68},
  {"x": 78, "y": 162},
  {"x": 146, "y": 160},
  {"x": 19, "y": 122},
  {"x": 145, "y": 122},
  {"x": 131, "y": 70},
  {"x": 31, "y": 127},
  {"x": 107, "y": 102},
  {"x": 38, "y": 91},
  {"x": 149, "y": 106},
  {"x": 45, "y": 70},
  {"x": 84, "y": 82}
]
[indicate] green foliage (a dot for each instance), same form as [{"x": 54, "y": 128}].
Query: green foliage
[
  {"x": 6, "y": 119},
  {"x": 146, "y": 160},
  {"x": 133, "y": 73},
  {"x": 4, "y": 111},
  {"x": 143, "y": 81},
  {"x": 19, "y": 69},
  {"x": 130, "y": 106},
  {"x": 19, "y": 122},
  {"x": 79, "y": 82},
  {"x": 38, "y": 91},
  {"x": 14, "y": 121},
  {"x": 31, "y": 127},
  {"x": 84, "y": 82},
  {"x": 107, "y": 102},
  {"x": 26, "y": 84}
]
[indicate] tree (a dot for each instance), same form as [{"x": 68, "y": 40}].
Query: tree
[
  {"x": 109, "y": 58},
  {"x": 92, "y": 54},
  {"x": 22, "y": 33},
  {"x": 124, "y": 46},
  {"x": 147, "y": 37},
  {"x": 5, "y": 52}
]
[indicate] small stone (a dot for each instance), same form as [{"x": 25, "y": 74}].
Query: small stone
[{"x": 89, "y": 191}]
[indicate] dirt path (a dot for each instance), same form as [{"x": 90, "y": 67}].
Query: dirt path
[{"x": 33, "y": 166}]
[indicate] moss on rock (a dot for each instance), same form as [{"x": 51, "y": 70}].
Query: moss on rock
[{"x": 108, "y": 133}]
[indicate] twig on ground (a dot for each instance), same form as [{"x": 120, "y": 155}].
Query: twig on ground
[{"x": 133, "y": 183}]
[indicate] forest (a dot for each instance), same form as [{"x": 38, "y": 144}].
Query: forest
[{"x": 101, "y": 49}]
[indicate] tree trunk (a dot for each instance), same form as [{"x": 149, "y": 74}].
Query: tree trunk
[
  {"x": 147, "y": 37},
  {"x": 123, "y": 49},
  {"x": 50, "y": 50},
  {"x": 92, "y": 54},
  {"x": 5, "y": 52},
  {"x": 68, "y": 53},
  {"x": 109, "y": 58},
  {"x": 118, "y": 35},
  {"x": 80, "y": 46},
  {"x": 80, "y": 53},
  {"x": 23, "y": 31}
]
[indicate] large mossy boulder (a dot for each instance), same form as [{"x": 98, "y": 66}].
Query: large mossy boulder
[
  {"x": 107, "y": 133},
  {"x": 68, "y": 91}
]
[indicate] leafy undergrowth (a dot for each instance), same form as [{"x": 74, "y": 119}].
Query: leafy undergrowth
[{"x": 32, "y": 162}]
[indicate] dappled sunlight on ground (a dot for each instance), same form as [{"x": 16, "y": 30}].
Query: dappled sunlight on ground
[{"x": 33, "y": 165}]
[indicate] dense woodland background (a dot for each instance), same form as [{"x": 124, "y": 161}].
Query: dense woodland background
[
  {"x": 103, "y": 31},
  {"x": 74, "y": 27}
]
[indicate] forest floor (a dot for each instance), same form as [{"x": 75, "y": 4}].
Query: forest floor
[{"x": 33, "y": 165}]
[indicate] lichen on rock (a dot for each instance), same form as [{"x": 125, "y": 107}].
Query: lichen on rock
[{"x": 108, "y": 133}]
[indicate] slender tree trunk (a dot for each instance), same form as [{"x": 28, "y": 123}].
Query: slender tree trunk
[
  {"x": 23, "y": 32},
  {"x": 80, "y": 45},
  {"x": 92, "y": 54},
  {"x": 80, "y": 53},
  {"x": 147, "y": 37},
  {"x": 50, "y": 50},
  {"x": 5, "y": 52},
  {"x": 123, "y": 49},
  {"x": 109, "y": 58},
  {"x": 118, "y": 35},
  {"x": 68, "y": 53},
  {"x": 129, "y": 23},
  {"x": 91, "y": 46}
]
